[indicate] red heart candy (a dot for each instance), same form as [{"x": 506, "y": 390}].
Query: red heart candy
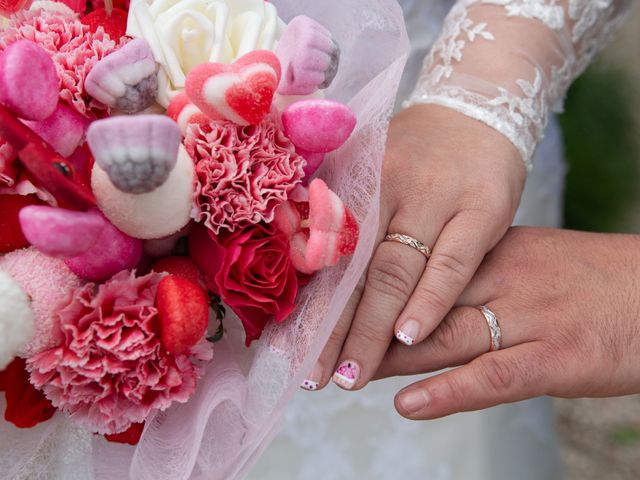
[
  {"x": 115, "y": 25},
  {"x": 241, "y": 92}
]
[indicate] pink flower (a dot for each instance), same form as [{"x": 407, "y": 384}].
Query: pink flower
[
  {"x": 243, "y": 173},
  {"x": 73, "y": 48},
  {"x": 110, "y": 370},
  {"x": 251, "y": 271}
]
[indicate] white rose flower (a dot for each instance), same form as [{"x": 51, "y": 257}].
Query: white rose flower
[{"x": 187, "y": 33}]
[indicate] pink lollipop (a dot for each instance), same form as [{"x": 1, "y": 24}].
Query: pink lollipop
[{"x": 28, "y": 81}]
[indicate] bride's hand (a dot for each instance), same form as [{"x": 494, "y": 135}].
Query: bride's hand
[
  {"x": 568, "y": 306},
  {"x": 452, "y": 183}
]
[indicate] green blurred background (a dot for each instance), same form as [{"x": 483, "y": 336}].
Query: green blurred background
[{"x": 601, "y": 437}]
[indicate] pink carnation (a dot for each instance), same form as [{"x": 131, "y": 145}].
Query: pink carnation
[
  {"x": 74, "y": 49},
  {"x": 110, "y": 370},
  {"x": 243, "y": 173}
]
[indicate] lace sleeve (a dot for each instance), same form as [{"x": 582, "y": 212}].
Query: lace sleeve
[{"x": 507, "y": 63}]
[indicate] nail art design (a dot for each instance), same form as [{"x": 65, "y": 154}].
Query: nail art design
[
  {"x": 404, "y": 338},
  {"x": 309, "y": 385},
  {"x": 347, "y": 375}
]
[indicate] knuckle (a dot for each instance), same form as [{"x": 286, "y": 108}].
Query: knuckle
[
  {"x": 451, "y": 269},
  {"x": 367, "y": 333},
  {"x": 390, "y": 278},
  {"x": 499, "y": 376},
  {"x": 454, "y": 333}
]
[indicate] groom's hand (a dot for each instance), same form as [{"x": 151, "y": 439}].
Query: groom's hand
[
  {"x": 452, "y": 183},
  {"x": 568, "y": 307}
]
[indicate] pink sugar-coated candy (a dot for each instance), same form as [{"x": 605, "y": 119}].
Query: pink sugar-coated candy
[
  {"x": 318, "y": 126},
  {"x": 64, "y": 130},
  {"x": 61, "y": 233},
  {"x": 309, "y": 57},
  {"x": 314, "y": 162},
  {"x": 185, "y": 113},
  {"x": 326, "y": 219},
  {"x": 126, "y": 79},
  {"x": 49, "y": 283},
  {"x": 241, "y": 92},
  {"x": 28, "y": 81},
  {"x": 112, "y": 252}
]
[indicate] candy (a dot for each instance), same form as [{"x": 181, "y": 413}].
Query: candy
[
  {"x": 182, "y": 267},
  {"x": 185, "y": 113},
  {"x": 114, "y": 25},
  {"x": 318, "y": 126},
  {"x": 62, "y": 233},
  {"x": 63, "y": 130},
  {"x": 112, "y": 252},
  {"x": 241, "y": 92},
  {"x": 149, "y": 215},
  {"x": 28, "y": 81},
  {"x": 309, "y": 57},
  {"x": 16, "y": 319},
  {"x": 137, "y": 152},
  {"x": 46, "y": 169},
  {"x": 127, "y": 79},
  {"x": 183, "y": 309},
  {"x": 11, "y": 236},
  {"x": 314, "y": 162}
]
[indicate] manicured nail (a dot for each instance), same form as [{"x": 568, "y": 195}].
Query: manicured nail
[
  {"x": 408, "y": 333},
  {"x": 414, "y": 400},
  {"x": 347, "y": 374},
  {"x": 311, "y": 384}
]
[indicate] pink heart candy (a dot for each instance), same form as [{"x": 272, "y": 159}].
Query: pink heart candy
[
  {"x": 61, "y": 233},
  {"x": 318, "y": 126},
  {"x": 28, "y": 81},
  {"x": 241, "y": 92}
]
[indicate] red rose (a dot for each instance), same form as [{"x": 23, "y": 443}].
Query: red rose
[
  {"x": 250, "y": 270},
  {"x": 26, "y": 406}
]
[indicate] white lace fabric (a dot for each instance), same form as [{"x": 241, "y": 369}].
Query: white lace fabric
[{"x": 508, "y": 63}]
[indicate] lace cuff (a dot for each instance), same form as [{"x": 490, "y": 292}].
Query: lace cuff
[{"x": 507, "y": 63}]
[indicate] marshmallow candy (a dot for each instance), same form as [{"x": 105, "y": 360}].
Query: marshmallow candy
[
  {"x": 309, "y": 57},
  {"x": 28, "y": 81},
  {"x": 157, "y": 214},
  {"x": 241, "y": 92},
  {"x": 62, "y": 233},
  {"x": 16, "y": 319},
  {"x": 137, "y": 152},
  {"x": 64, "y": 130},
  {"x": 318, "y": 126},
  {"x": 126, "y": 79}
]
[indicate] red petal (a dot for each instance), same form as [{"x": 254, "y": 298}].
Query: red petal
[{"x": 131, "y": 436}]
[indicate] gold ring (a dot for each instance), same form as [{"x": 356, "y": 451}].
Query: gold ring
[{"x": 410, "y": 242}]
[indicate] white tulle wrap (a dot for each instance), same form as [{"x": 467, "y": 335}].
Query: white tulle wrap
[{"x": 237, "y": 407}]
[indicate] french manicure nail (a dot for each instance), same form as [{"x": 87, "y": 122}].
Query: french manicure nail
[
  {"x": 414, "y": 400},
  {"x": 408, "y": 333},
  {"x": 312, "y": 382},
  {"x": 347, "y": 374}
]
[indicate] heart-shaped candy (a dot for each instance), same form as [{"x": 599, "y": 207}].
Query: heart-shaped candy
[{"x": 241, "y": 92}]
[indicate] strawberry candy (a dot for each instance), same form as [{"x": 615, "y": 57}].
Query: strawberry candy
[
  {"x": 183, "y": 308},
  {"x": 28, "y": 81},
  {"x": 63, "y": 130},
  {"x": 241, "y": 92},
  {"x": 185, "y": 113},
  {"x": 157, "y": 214},
  {"x": 182, "y": 267},
  {"x": 309, "y": 57},
  {"x": 125, "y": 79},
  {"x": 61, "y": 233},
  {"x": 144, "y": 154},
  {"x": 318, "y": 126},
  {"x": 115, "y": 25}
]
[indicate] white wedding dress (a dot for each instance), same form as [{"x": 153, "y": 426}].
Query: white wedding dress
[{"x": 338, "y": 435}]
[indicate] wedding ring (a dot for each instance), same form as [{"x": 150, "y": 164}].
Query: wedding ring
[
  {"x": 494, "y": 328},
  {"x": 410, "y": 242}
]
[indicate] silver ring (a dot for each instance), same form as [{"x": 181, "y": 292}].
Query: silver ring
[
  {"x": 494, "y": 328},
  {"x": 410, "y": 242}
]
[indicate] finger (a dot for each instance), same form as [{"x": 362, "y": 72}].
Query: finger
[
  {"x": 510, "y": 375},
  {"x": 392, "y": 277},
  {"x": 462, "y": 336},
  {"x": 455, "y": 258}
]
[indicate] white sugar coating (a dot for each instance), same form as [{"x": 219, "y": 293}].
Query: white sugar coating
[
  {"x": 151, "y": 215},
  {"x": 16, "y": 319}
]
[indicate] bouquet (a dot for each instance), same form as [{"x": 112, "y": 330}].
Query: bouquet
[{"x": 188, "y": 197}]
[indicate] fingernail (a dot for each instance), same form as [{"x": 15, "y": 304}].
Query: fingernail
[
  {"x": 347, "y": 374},
  {"x": 311, "y": 384},
  {"x": 414, "y": 400},
  {"x": 408, "y": 333}
]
